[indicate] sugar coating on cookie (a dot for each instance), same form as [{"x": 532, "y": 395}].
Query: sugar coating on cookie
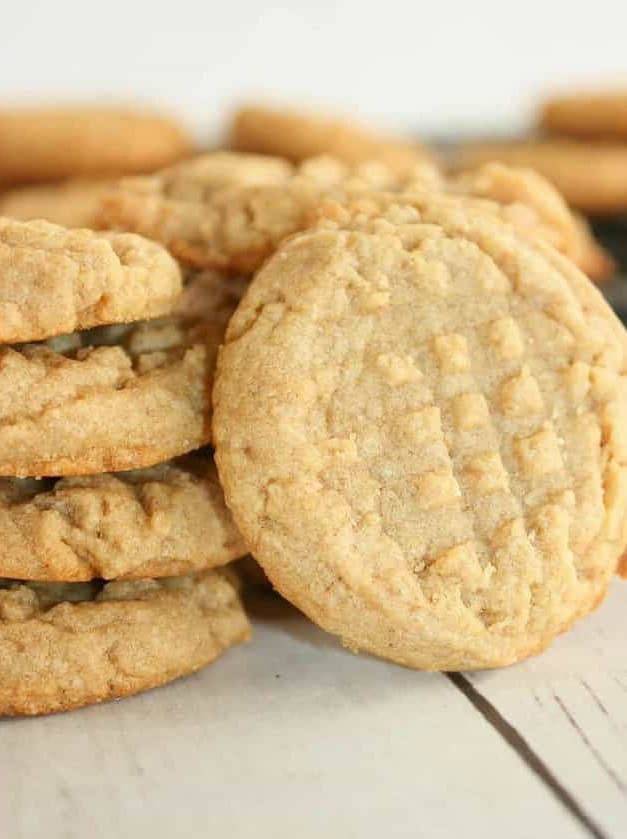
[
  {"x": 118, "y": 397},
  {"x": 46, "y": 144},
  {"x": 71, "y": 644},
  {"x": 167, "y": 520},
  {"x": 54, "y": 280},
  {"x": 436, "y": 480}
]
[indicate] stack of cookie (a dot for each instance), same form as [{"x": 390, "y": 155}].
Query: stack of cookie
[
  {"x": 420, "y": 404},
  {"x": 419, "y": 413},
  {"x": 111, "y": 514}
]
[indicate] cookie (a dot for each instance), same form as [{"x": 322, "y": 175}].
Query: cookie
[
  {"x": 74, "y": 203},
  {"x": 114, "y": 398},
  {"x": 207, "y": 220},
  {"x": 594, "y": 115},
  {"x": 54, "y": 280},
  {"x": 47, "y": 144},
  {"x": 67, "y": 645},
  {"x": 298, "y": 135},
  {"x": 532, "y": 202},
  {"x": 592, "y": 177},
  {"x": 229, "y": 211},
  {"x": 159, "y": 522},
  {"x": 419, "y": 421}
]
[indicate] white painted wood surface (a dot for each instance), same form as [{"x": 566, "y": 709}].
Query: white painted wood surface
[{"x": 291, "y": 736}]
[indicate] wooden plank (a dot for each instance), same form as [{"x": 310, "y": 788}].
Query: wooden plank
[
  {"x": 290, "y": 736},
  {"x": 570, "y": 705}
]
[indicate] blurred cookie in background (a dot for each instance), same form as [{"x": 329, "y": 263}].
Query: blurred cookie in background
[
  {"x": 592, "y": 177},
  {"x": 594, "y": 115},
  {"x": 39, "y": 144},
  {"x": 531, "y": 202},
  {"x": 73, "y": 203},
  {"x": 297, "y": 135}
]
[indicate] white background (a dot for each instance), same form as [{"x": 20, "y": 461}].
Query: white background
[{"x": 434, "y": 67}]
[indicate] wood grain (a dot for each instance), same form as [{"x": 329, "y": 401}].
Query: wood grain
[{"x": 289, "y": 736}]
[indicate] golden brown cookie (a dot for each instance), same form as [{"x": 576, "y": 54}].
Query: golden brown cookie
[
  {"x": 67, "y": 645},
  {"x": 159, "y": 522},
  {"x": 591, "y": 176},
  {"x": 114, "y": 398},
  {"x": 74, "y": 203},
  {"x": 298, "y": 135},
  {"x": 593, "y": 115},
  {"x": 229, "y": 211},
  {"x": 54, "y": 280},
  {"x": 46, "y": 144},
  {"x": 206, "y": 219},
  {"x": 532, "y": 202},
  {"x": 419, "y": 420}
]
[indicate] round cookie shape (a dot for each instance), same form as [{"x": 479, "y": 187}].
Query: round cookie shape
[
  {"x": 591, "y": 115},
  {"x": 47, "y": 144},
  {"x": 298, "y": 135},
  {"x": 73, "y": 203},
  {"x": 592, "y": 177},
  {"x": 54, "y": 280},
  {"x": 114, "y": 398},
  {"x": 419, "y": 421},
  {"x": 159, "y": 522},
  {"x": 67, "y": 645},
  {"x": 230, "y": 211}
]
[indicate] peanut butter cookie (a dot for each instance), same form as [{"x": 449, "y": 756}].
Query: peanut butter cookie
[
  {"x": 159, "y": 522},
  {"x": 420, "y": 430},
  {"x": 593, "y": 115},
  {"x": 592, "y": 177},
  {"x": 46, "y": 144},
  {"x": 67, "y": 645},
  {"x": 531, "y": 202},
  {"x": 74, "y": 203},
  {"x": 114, "y": 398},
  {"x": 230, "y": 211},
  {"x": 54, "y": 280},
  {"x": 205, "y": 219},
  {"x": 298, "y": 135}
]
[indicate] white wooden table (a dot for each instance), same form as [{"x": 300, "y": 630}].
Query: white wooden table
[{"x": 292, "y": 736}]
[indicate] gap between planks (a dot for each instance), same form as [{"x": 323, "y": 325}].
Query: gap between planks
[{"x": 517, "y": 742}]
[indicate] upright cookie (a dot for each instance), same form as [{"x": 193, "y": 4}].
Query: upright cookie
[
  {"x": 298, "y": 135},
  {"x": 420, "y": 429},
  {"x": 594, "y": 115},
  {"x": 47, "y": 144},
  {"x": 159, "y": 522},
  {"x": 115, "y": 398},
  {"x": 591, "y": 176},
  {"x": 67, "y": 645},
  {"x": 73, "y": 203},
  {"x": 54, "y": 280}
]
